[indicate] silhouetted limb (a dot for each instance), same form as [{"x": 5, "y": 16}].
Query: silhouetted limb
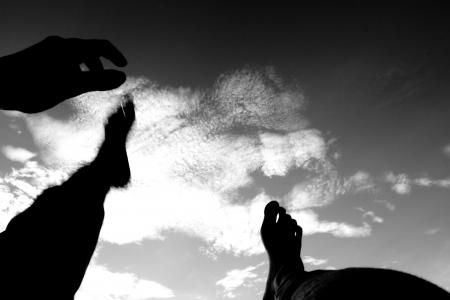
[
  {"x": 47, "y": 73},
  {"x": 287, "y": 278},
  {"x": 46, "y": 249},
  {"x": 282, "y": 240}
]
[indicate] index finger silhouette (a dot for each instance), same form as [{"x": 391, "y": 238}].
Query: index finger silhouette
[{"x": 94, "y": 48}]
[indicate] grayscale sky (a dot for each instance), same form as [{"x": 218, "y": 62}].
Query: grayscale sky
[{"x": 338, "y": 111}]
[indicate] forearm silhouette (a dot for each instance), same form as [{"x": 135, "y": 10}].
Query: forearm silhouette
[
  {"x": 47, "y": 73},
  {"x": 47, "y": 248}
]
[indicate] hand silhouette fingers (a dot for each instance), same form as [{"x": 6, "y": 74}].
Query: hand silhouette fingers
[
  {"x": 94, "y": 64},
  {"x": 99, "y": 81},
  {"x": 57, "y": 60},
  {"x": 87, "y": 50}
]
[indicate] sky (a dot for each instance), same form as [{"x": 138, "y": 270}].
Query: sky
[{"x": 338, "y": 111}]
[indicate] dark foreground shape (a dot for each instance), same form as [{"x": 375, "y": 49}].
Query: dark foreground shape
[
  {"x": 47, "y": 73},
  {"x": 288, "y": 280},
  {"x": 46, "y": 249}
]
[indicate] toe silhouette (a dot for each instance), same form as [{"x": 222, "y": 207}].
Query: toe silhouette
[{"x": 271, "y": 211}]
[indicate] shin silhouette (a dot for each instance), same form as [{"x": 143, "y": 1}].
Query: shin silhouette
[{"x": 46, "y": 249}]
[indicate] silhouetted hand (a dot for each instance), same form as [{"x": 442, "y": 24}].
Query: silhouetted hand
[{"x": 49, "y": 72}]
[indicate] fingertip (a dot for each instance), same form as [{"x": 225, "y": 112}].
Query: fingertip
[
  {"x": 116, "y": 76},
  {"x": 108, "y": 50},
  {"x": 122, "y": 62}
]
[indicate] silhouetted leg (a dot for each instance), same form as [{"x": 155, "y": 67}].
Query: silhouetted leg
[
  {"x": 282, "y": 239},
  {"x": 287, "y": 279},
  {"x": 46, "y": 249}
]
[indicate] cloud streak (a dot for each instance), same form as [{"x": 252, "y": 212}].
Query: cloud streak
[
  {"x": 19, "y": 187},
  {"x": 191, "y": 151},
  {"x": 314, "y": 261},
  {"x": 238, "y": 278},
  {"x": 402, "y": 183},
  {"x": 17, "y": 154}
]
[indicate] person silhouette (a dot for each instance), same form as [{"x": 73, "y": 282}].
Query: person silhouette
[
  {"x": 45, "y": 250},
  {"x": 287, "y": 278},
  {"x": 49, "y": 72}
]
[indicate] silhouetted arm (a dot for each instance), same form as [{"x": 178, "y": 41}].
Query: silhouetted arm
[{"x": 47, "y": 73}]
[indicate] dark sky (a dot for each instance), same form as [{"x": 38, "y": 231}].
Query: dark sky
[
  {"x": 363, "y": 67},
  {"x": 181, "y": 44}
]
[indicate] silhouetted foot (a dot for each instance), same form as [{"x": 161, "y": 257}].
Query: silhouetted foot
[
  {"x": 113, "y": 155},
  {"x": 282, "y": 239}
]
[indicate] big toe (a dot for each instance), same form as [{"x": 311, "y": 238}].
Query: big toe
[{"x": 271, "y": 211}]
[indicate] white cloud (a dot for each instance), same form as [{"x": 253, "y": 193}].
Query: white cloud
[
  {"x": 386, "y": 204},
  {"x": 314, "y": 261},
  {"x": 424, "y": 181},
  {"x": 311, "y": 224},
  {"x": 17, "y": 153},
  {"x": 429, "y": 182},
  {"x": 402, "y": 184},
  {"x": 190, "y": 152},
  {"x": 19, "y": 187},
  {"x": 445, "y": 183},
  {"x": 360, "y": 181},
  {"x": 371, "y": 215},
  {"x": 325, "y": 187},
  {"x": 101, "y": 283},
  {"x": 237, "y": 278},
  {"x": 297, "y": 149},
  {"x": 316, "y": 192},
  {"x": 233, "y": 228}
]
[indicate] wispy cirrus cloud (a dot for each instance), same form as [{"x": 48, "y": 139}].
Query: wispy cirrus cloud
[
  {"x": 386, "y": 204},
  {"x": 238, "y": 278},
  {"x": 314, "y": 261},
  {"x": 359, "y": 181},
  {"x": 19, "y": 187},
  {"x": 402, "y": 183},
  {"x": 310, "y": 222},
  {"x": 370, "y": 215},
  {"x": 192, "y": 150}
]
